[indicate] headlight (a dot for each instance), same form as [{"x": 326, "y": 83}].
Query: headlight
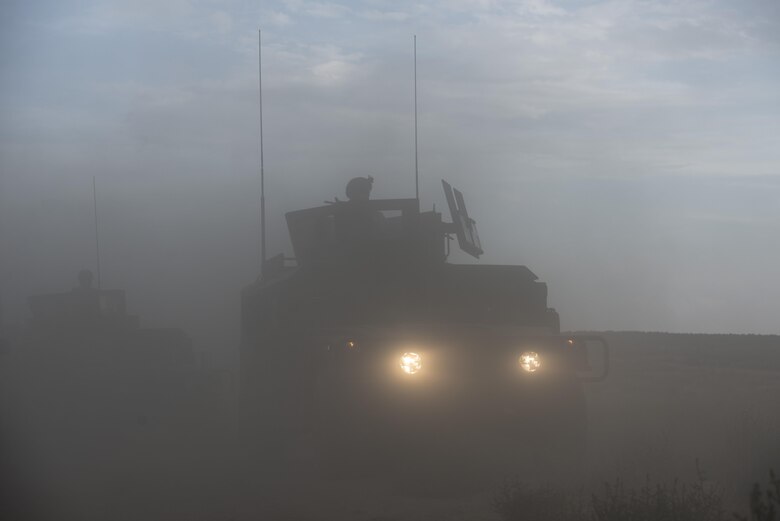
[
  {"x": 411, "y": 363},
  {"x": 530, "y": 361}
]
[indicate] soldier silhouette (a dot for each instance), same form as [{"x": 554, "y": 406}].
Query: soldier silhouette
[{"x": 357, "y": 224}]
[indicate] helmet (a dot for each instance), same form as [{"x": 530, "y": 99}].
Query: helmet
[{"x": 359, "y": 188}]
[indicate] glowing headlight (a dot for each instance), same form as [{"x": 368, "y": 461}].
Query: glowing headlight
[
  {"x": 411, "y": 363},
  {"x": 530, "y": 361}
]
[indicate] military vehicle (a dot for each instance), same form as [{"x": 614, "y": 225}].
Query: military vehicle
[
  {"x": 374, "y": 353},
  {"x": 96, "y": 367},
  {"x": 92, "y": 400}
]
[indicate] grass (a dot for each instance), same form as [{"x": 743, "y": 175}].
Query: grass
[
  {"x": 653, "y": 501},
  {"x": 697, "y": 501},
  {"x": 616, "y": 501},
  {"x": 764, "y": 504},
  {"x": 516, "y": 501}
]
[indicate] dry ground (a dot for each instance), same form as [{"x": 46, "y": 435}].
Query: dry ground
[
  {"x": 674, "y": 406},
  {"x": 674, "y": 399}
]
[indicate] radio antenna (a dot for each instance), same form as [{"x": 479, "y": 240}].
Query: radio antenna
[
  {"x": 416, "y": 170},
  {"x": 97, "y": 238},
  {"x": 262, "y": 172}
]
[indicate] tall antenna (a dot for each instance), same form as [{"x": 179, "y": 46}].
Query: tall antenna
[
  {"x": 262, "y": 172},
  {"x": 416, "y": 171},
  {"x": 97, "y": 238}
]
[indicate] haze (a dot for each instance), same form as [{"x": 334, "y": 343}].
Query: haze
[{"x": 627, "y": 152}]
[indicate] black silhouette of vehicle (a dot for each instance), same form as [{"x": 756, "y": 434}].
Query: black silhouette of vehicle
[{"x": 372, "y": 352}]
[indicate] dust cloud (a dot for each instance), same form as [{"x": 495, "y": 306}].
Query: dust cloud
[{"x": 627, "y": 154}]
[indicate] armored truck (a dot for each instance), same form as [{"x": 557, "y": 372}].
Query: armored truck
[
  {"x": 96, "y": 369},
  {"x": 95, "y": 403},
  {"x": 373, "y": 353}
]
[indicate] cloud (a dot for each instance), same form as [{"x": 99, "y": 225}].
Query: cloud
[
  {"x": 100, "y": 17},
  {"x": 317, "y": 9},
  {"x": 332, "y": 72},
  {"x": 730, "y": 219},
  {"x": 540, "y": 7},
  {"x": 222, "y": 21},
  {"x": 280, "y": 19},
  {"x": 600, "y": 116},
  {"x": 385, "y": 16}
]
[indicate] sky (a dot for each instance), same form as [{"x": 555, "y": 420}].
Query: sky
[{"x": 627, "y": 152}]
